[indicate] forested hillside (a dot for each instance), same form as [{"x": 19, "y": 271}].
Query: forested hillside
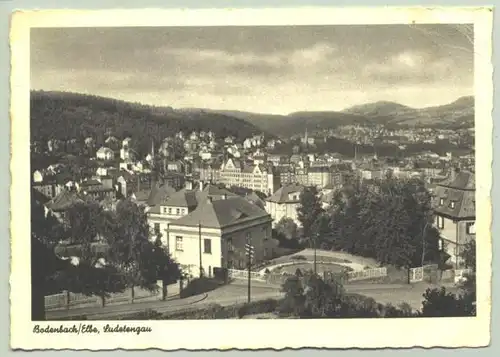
[{"x": 64, "y": 116}]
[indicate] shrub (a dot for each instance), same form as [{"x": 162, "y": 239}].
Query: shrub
[
  {"x": 298, "y": 257},
  {"x": 258, "y": 307}
]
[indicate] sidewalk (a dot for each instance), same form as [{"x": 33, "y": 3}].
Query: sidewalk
[{"x": 118, "y": 309}]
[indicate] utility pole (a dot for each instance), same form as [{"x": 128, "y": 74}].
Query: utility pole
[
  {"x": 314, "y": 241},
  {"x": 249, "y": 252},
  {"x": 200, "y": 252}
]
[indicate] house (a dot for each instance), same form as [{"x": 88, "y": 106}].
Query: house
[
  {"x": 37, "y": 176},
  {"x": 60, "y": 204},
  {"x": 215, "y": 232},
  {"x": 97, "y": 191},
  {"x": 126, "y": 143},
  {"x": 254, "y": 177},
  {"x": 105, "y": 154},
  {"x": 455, "y": 212},
  {"x": 319, "y": 176},
  {"x": 48, "y": 188},
  {"x": 284, "y": 202},
  {"x": 247, "y": 144}
]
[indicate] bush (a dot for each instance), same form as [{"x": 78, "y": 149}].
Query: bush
[
  {"x": 298, "y": 257},
  {"x": 258, "y": 307},
  {"x": 199, "y": 286}
]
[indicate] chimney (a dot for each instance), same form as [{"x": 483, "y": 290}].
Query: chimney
[
  {"x": 201, "y": 186},
  {"x": 189, "y": 185}
]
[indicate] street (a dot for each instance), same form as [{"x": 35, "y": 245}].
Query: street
[{"x": 236, "y": 293}]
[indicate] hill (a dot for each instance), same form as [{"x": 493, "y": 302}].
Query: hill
[
  {"x": 453, "y": 115},
  {"x": 285, "y": 126},
  {"x": 62, "y": 115}
]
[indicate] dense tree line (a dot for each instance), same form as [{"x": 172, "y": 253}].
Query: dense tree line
[
  {"x": 67, "y": 115},
  {"x": 390, "y": 220},
  {"x": 113, "y": 252}
]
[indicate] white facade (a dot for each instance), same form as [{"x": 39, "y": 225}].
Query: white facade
[{"x": 105, "y": 153}]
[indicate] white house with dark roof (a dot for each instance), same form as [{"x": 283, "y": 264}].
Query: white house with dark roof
[
  {"x": 207, "y": 227},
  {"x": 215, "y": 233},
  {"x": 284, "y": 202},
  {"x": 105, "y": 153}
]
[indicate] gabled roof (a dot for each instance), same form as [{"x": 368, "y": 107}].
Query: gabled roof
[
  {"x": 64, "y": 200},
  {"x": 160, "y": 194},
  {"x": 457, "y": 192},
  {"x": 182, "y": 198},
  {"x": 222, "y": 213},
  {"x": 463, "y": 180},
  {"x": 281, "y": 196},
  {"x": 255, "y": 199}
]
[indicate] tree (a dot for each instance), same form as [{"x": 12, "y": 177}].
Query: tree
[
  {"x": 440, "y": 303},
  {"x": 168, "y": 270},
  {"x": 389, "y": 220},
  {"x": 468, "y": 255},
  {"x": 309, "y": 209},
  {"x": 44, "y": 262},
  {"x": 130, "y": 247},
  {"x": 287, "y": 227}
]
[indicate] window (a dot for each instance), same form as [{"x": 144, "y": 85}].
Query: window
[
  {"x": 164, "y": 209},
  {"x": 265, "y": 253},
  {"x": 157, "y": 228},
  {"x": 207, "y": 244},
  {"x": 178, "y": 243},
  {"x": 440, "y": 222},
  {"x": 452, "y": 204},
  {"x": 248, "y": 236},
  {"x": 230, "y": 247},
  {"x": 170, "y": 211},
  {"x": 470, "y": 227},
  {"x": 441, "y": 201},
  {"x": 177, "y": 211}
]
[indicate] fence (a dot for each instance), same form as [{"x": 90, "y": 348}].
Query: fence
[
  {"x": 426, "y": 272},
  {"x": 243, "y": 274},
  {"x": 367, "y": 274},
  {"x": 68, "y": 300}
]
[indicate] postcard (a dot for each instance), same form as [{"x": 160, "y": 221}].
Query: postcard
[{"x": 192, "y": 173}]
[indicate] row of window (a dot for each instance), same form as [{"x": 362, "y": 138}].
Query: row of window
[
  {"x": 178, "y": 211},
  {"x": 451, "y": 205},
  {"x": 207, "y": 245}
]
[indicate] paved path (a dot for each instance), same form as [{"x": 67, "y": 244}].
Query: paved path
[
  {"x": 94, "y": 312},
  {"x": 237, "y": 293}
]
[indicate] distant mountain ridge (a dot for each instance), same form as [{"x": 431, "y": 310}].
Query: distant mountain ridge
[{"x": 457, "y": 114}]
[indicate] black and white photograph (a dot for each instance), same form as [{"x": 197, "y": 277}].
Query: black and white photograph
[{"x": 305, "y": 172}]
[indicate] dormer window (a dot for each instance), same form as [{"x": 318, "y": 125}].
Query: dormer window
[
  {"x": 441, "y": 201},
  {"x": 452, "y": 204}
]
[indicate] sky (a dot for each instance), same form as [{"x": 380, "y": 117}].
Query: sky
[{"x": 275, "y": 70}]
